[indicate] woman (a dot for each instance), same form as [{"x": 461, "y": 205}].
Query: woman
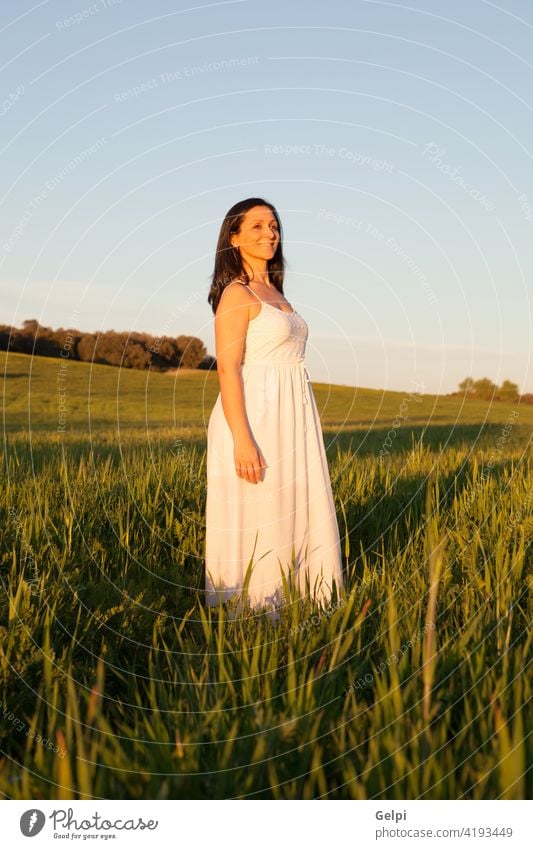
[{"x": 270, "y": 512}]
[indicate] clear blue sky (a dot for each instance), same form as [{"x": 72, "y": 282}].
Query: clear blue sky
[{"x": 402, "y": 173}]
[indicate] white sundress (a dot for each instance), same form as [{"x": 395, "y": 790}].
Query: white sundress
[{"x": 291, "y": 512}]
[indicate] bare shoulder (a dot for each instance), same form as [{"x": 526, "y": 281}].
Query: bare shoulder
[{"x": 235, "y": 294}]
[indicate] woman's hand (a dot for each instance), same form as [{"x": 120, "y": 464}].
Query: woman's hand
[{"x": 249, "y": 460}]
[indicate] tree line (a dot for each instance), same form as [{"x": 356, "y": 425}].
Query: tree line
[
  {"x": 486, "y": 390},
  {"x": 165, "y": 353},
  {"x": 127, "y": 350}
]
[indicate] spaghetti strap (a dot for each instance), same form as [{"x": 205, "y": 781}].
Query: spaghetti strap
[
  {"x": 256, "y": 295},
  {"x": 248, "y": 287}
]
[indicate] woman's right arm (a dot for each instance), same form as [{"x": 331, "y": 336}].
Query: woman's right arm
[{"x": 231, "y": 325}]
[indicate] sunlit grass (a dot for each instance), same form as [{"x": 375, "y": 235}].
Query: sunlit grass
[{"x": 415, "y": 685}]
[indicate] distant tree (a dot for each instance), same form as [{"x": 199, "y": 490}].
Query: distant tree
[
  {"x": 36, "y": 339},
  {"x": 129, "y": 350},
  {"x": 8, "y": 337},
  {"x": 68, "y": 340},
  {"x": 484, "y": 388},
  {"x": 30, "y": 326},
  {"x": 100, "y": 348},
  {"x": 24, "y": 339},
  {"x": 46, "y": 343},
  {"x": 193, "y": 351},
  {"x": 114, "y": 349},
  {"x": 467, "y": 386},
  {"x": 508, "y": 391},
  {"x": 136, "y": 355},
  {"x": 208, "y": 363},
  {"x": 86, "y": 347},
  {"x": 166, "y": 352}
]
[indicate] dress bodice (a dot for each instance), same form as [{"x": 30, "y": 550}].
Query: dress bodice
[{"x": 275, "y": 336}]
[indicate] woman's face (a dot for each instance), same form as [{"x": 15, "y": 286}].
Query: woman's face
[{"x": 259, "y": 234}]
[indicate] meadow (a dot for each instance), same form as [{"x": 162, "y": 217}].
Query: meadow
[{"x": 116, "y": 681}]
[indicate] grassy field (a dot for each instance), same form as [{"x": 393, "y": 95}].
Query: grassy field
[{"x": 117, "y": 681}]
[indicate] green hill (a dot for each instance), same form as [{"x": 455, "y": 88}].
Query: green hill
[{"x": 106, "y": 397}]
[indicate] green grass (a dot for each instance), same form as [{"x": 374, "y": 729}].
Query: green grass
[{"x": 415, "y": 686}]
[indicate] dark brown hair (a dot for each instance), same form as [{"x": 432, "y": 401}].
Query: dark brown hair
[{"x": 228, "y": 260}]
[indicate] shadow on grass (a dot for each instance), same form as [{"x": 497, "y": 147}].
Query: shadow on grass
[{"x": 365, "y": 442}]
